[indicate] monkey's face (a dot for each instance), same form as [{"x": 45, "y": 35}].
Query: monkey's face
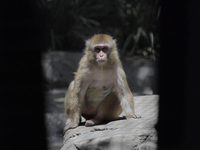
[
  {"x": 101, "y": 49},
  {"x": 101, "y": 53}
]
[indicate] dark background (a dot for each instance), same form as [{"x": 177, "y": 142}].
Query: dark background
[
  {"x": 22, "y": 86},
  {"x": 179, "y": 82},
  {"x": 21, "y": 83}
]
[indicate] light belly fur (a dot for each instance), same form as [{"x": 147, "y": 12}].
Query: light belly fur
[{"x": 96, "y": 95}]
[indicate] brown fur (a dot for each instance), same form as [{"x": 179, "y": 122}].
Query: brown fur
[{"x": 104, "y": 84}]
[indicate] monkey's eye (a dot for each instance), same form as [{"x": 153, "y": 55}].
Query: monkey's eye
[
  {"x": 105, "y": 49},
  {"x": 97, "y": 50}
]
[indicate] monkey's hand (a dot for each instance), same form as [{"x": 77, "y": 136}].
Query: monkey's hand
[
  {"x": 70, "y": 125},
  {"x": 137, "y": 116},
  {"x": 133, "y": 116}
]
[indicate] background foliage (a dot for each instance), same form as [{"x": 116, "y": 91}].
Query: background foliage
[{"x": 134, "y": 23}]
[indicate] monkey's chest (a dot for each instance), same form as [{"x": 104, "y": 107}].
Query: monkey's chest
[{"x": 94, "y": 95}]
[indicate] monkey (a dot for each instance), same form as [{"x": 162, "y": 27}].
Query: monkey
[{"x": 99, "y": 91}]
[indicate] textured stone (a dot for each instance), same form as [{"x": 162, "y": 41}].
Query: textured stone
[{"x": 121, "y": 134}]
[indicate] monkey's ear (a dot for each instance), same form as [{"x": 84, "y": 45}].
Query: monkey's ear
[
  {"x": 115, "y": 41},
  {"x": 87, "y": 45},
  {"x": 115, "y": 44},
  {"x": 88, "y": 42}
]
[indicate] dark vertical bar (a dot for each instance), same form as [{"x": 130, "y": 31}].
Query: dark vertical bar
[
  {"x": 179, "y": 76},
  {"x": 21, "y": 97},
  {"x": 172, "y": 74},
  {"x": 192, "y": 124}
]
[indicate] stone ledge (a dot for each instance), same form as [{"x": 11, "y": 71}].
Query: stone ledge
[{"x": 133, "y": 134}]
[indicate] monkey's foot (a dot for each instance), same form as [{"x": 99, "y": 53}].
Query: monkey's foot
[
  {"x": 137, "y": 116},
  {"x": 91, "y": 122}
]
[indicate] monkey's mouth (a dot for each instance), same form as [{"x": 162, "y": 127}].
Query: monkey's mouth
[{"x": 101, "y": 61}]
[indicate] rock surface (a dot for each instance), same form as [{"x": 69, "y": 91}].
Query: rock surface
[
  {"x": 122, "y": 134},
  {"x": 55, "y": 117}
]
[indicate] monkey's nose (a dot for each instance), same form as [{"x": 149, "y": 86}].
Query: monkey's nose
[{"x": 101, "y": 54}]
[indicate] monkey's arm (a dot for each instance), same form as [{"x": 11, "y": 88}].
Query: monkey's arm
[
  {"x": 124, "y": 94},
  {"x": 74, "y": 99}
]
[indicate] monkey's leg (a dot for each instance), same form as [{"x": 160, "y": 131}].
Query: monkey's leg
[{"x": 108, "y": 110}]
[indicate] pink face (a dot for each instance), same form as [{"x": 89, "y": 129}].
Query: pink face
[{"x": 101, "y": 52}]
